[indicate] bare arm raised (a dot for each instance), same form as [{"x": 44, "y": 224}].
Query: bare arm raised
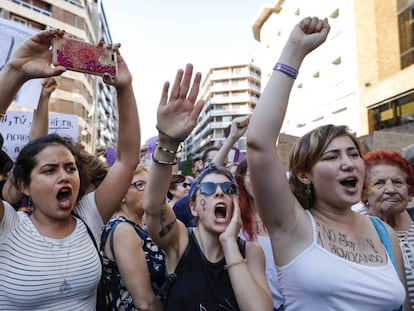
[
  {"x": 32, "y": 59},
  {"x": 115, "y": 185},
  {"x": 40, "y": 123},
  {"x": 279, "y": 209},
  {"x": 237, "y": 129},
  {"x": 176, "y": 116}
]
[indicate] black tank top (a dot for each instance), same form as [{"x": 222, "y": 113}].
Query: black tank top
[{"x": 198, "y": 284}]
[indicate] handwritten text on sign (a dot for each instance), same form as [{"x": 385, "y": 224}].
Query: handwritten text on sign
[
  {"x": 15, "y": 128},
  {"x": 12, "y": 34}
]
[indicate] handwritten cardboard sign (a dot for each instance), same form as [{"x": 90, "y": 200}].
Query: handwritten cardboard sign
[
  {"x": 391, "y": 141},
  {"x": 284, "y": 145},
  {"x": 15, "y": 128},
  {"x": 12, "y": 34}
]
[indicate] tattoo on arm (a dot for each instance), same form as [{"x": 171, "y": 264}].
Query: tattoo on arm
[{"x": 165, "y": 228}]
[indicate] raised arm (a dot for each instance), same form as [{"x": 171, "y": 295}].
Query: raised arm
[
  {"x": 40, "y": 123},
  {"x": 237, "y": 129},
  {"x": 270, "y": 186},
  {"x": 176, "y": 116},
  {"x": 39, "y": 128},
  {"x": 32, "y": 59},
  {"x": 110, "y": 192}
]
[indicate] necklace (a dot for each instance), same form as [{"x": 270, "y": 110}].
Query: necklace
[{"x": 65, "y": 287}]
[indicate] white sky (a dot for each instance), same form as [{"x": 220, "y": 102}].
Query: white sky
[{"x": 160, "y": 36}]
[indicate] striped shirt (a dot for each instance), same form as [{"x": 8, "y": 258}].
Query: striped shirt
[
  {"x": 34, "y": 267},
  {"x": 406, "y": 240}
]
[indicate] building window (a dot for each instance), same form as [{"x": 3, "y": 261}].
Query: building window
[
  {"x": 20, "y": 20},
  {"x": 392, "y": 113},
  {"x": 406, "y": 31}
]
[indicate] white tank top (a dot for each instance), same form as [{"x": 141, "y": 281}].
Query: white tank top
[{"x": 319, "y": 280}]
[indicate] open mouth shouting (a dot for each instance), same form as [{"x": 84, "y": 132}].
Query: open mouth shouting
[
  {"x": 350, "y": 183},
  {"x": 64, "y": 198},
  {"x": 220, "y": 212}
]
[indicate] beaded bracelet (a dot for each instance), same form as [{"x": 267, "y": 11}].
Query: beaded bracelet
[
  {"x": 227, "y": 267},
  {"x": 170, "y": 137},
  {"x": 163, "y": 162},
  {"x": 290, "y": 71},
  {"x": 167, "y": 150}
]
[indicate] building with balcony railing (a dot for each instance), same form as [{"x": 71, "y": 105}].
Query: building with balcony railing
[
  {"x": 229, "y": 91},
  {"x": 77, "y": 93},
  {"x": 361, "y": 76}
]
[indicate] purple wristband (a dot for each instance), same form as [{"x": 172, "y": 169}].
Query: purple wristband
[{"x": 290, "y": 71}]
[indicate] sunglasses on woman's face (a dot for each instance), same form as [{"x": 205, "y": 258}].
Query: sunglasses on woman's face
[
  {"x": 209, "y": 188},
  {"x": 184, "y": 184}
]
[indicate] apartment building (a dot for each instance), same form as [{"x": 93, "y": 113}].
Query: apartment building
[
  {"x": 80, "y": 94},
  {"x": 362, "y": 75},
  {"x": 229, "y": 91},
  {"x": 325, "y": 90}
]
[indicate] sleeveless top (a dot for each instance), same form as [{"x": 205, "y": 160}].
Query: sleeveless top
[
  {"x": 319, "y": 280},
  {"x": 120, "y": 298},
  {"x": 198, "y": 284}
]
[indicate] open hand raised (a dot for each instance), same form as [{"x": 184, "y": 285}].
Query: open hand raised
[{"x": 178, "y": 111}]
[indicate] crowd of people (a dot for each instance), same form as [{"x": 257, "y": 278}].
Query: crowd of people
[{"x": 80, "y": 234}]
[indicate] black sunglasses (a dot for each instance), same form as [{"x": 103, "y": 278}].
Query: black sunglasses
[
  {"x": 139, "y": 185},
  {"x": 209, "y": 188},
  {"x": 184, "y": 184}
]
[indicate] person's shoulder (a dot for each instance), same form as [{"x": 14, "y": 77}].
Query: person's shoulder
[
  {"x": 182, "y": 203},
  {"x": 410, "y": 211}
]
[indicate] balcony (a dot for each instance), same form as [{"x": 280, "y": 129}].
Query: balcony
[
  {"x": 74, "y": 2},
  {"x": 32, "y": 7},
  {"x": 230, "y": 73},
  {"x": 244, "y": 98}
]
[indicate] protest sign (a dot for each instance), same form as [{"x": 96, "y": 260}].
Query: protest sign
[
  {"x": 12, "y": 34},
  {"x": 15, "y": 128},
  {"x": 284, "y": 144}
]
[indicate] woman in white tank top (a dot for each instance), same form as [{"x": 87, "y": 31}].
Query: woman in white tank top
[{"x": 328, "y": 257}]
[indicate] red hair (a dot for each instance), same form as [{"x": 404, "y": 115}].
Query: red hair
[
  {"x": 247, "y": 214},
  {"x": 393, "y": 158}
]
